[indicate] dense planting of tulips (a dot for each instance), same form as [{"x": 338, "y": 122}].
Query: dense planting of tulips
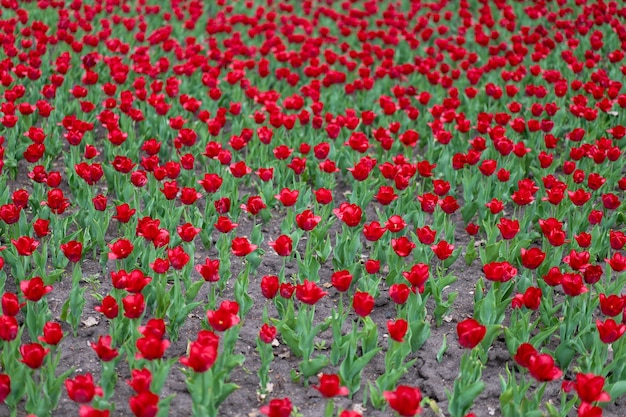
[{"x": 336, "y": 176}]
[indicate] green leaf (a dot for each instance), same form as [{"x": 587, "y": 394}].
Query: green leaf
[
  {"x": 442, "y": 349},
  {"x": 192, "y": 291},
  {"x": 617, "y": 390}
]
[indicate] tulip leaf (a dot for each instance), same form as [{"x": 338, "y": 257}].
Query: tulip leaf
[{"x": 617, "y": 390}]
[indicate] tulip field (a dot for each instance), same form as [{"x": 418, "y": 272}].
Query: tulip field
[{"x": 312, "y": 208}]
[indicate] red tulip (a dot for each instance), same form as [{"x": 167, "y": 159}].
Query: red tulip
[
  {"x": 341, "y": 280},
  {"x": 611, "y": 305},
  {"x": 309, "y": 293},
  {"x": 524, "y": 352},
  {"x": 532, "y": 258},
  {"x": 399, "y": 293},
  {"x": 120, "y": 249},
  {"x": 178, "y": 257},
  {"x": 144, "y": 404},
  {"x": 104, "y": 350},
  {"x": 224, "y": 224},
  {"x": 34, "y": 289},
  {"x": 330, "y": 386},
  {"x": 25, "y": 245},
  {"x": 589, "y": 388},
  {"x": 187, "y": 232},
  {"x": 609, "y": 330},
  {"x": 287, "y": 197},
  {"x": 109, "y": 307},
  {"x": 278, "y": 407},
  {"x": 82, "y": 389},
  {"x": 72, "y": 250},
  {"x": 402, "y": 246},
  {"x": 541, "y": 367},
  {"x": 151, "y": 347},
  {"x": 470, "y": 333},
  {"x": 397, "y": 329},
  {"x": 33, "y": 355},
  {"x": 405, "y": 400},
  {"x": 10, "y": 304},
  {"x": 426, "y": 235},
  {"x": 443, "y": 250},
  {"x": 5, "y": 387},
  {"x": 8, "y": 328},
  {"x": 10, "y": 213},
  {"x": 224, "y": 317},
  {"x": 348, "y": 213},
  {"x": 202, "y": 354},
  {"x": 282, "y": 245},
  {"x": 363, "y": 303},
  {"x": 373, "y": 231},
  {"x": 307, "y": 220},
  {"x": 269, "y": 286},
  {"x": 241, "y": 246},
  {"x": 134, "y": 305},
  {"x": 267, "y": 334},
  {"x": 52, "y": 334}
]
